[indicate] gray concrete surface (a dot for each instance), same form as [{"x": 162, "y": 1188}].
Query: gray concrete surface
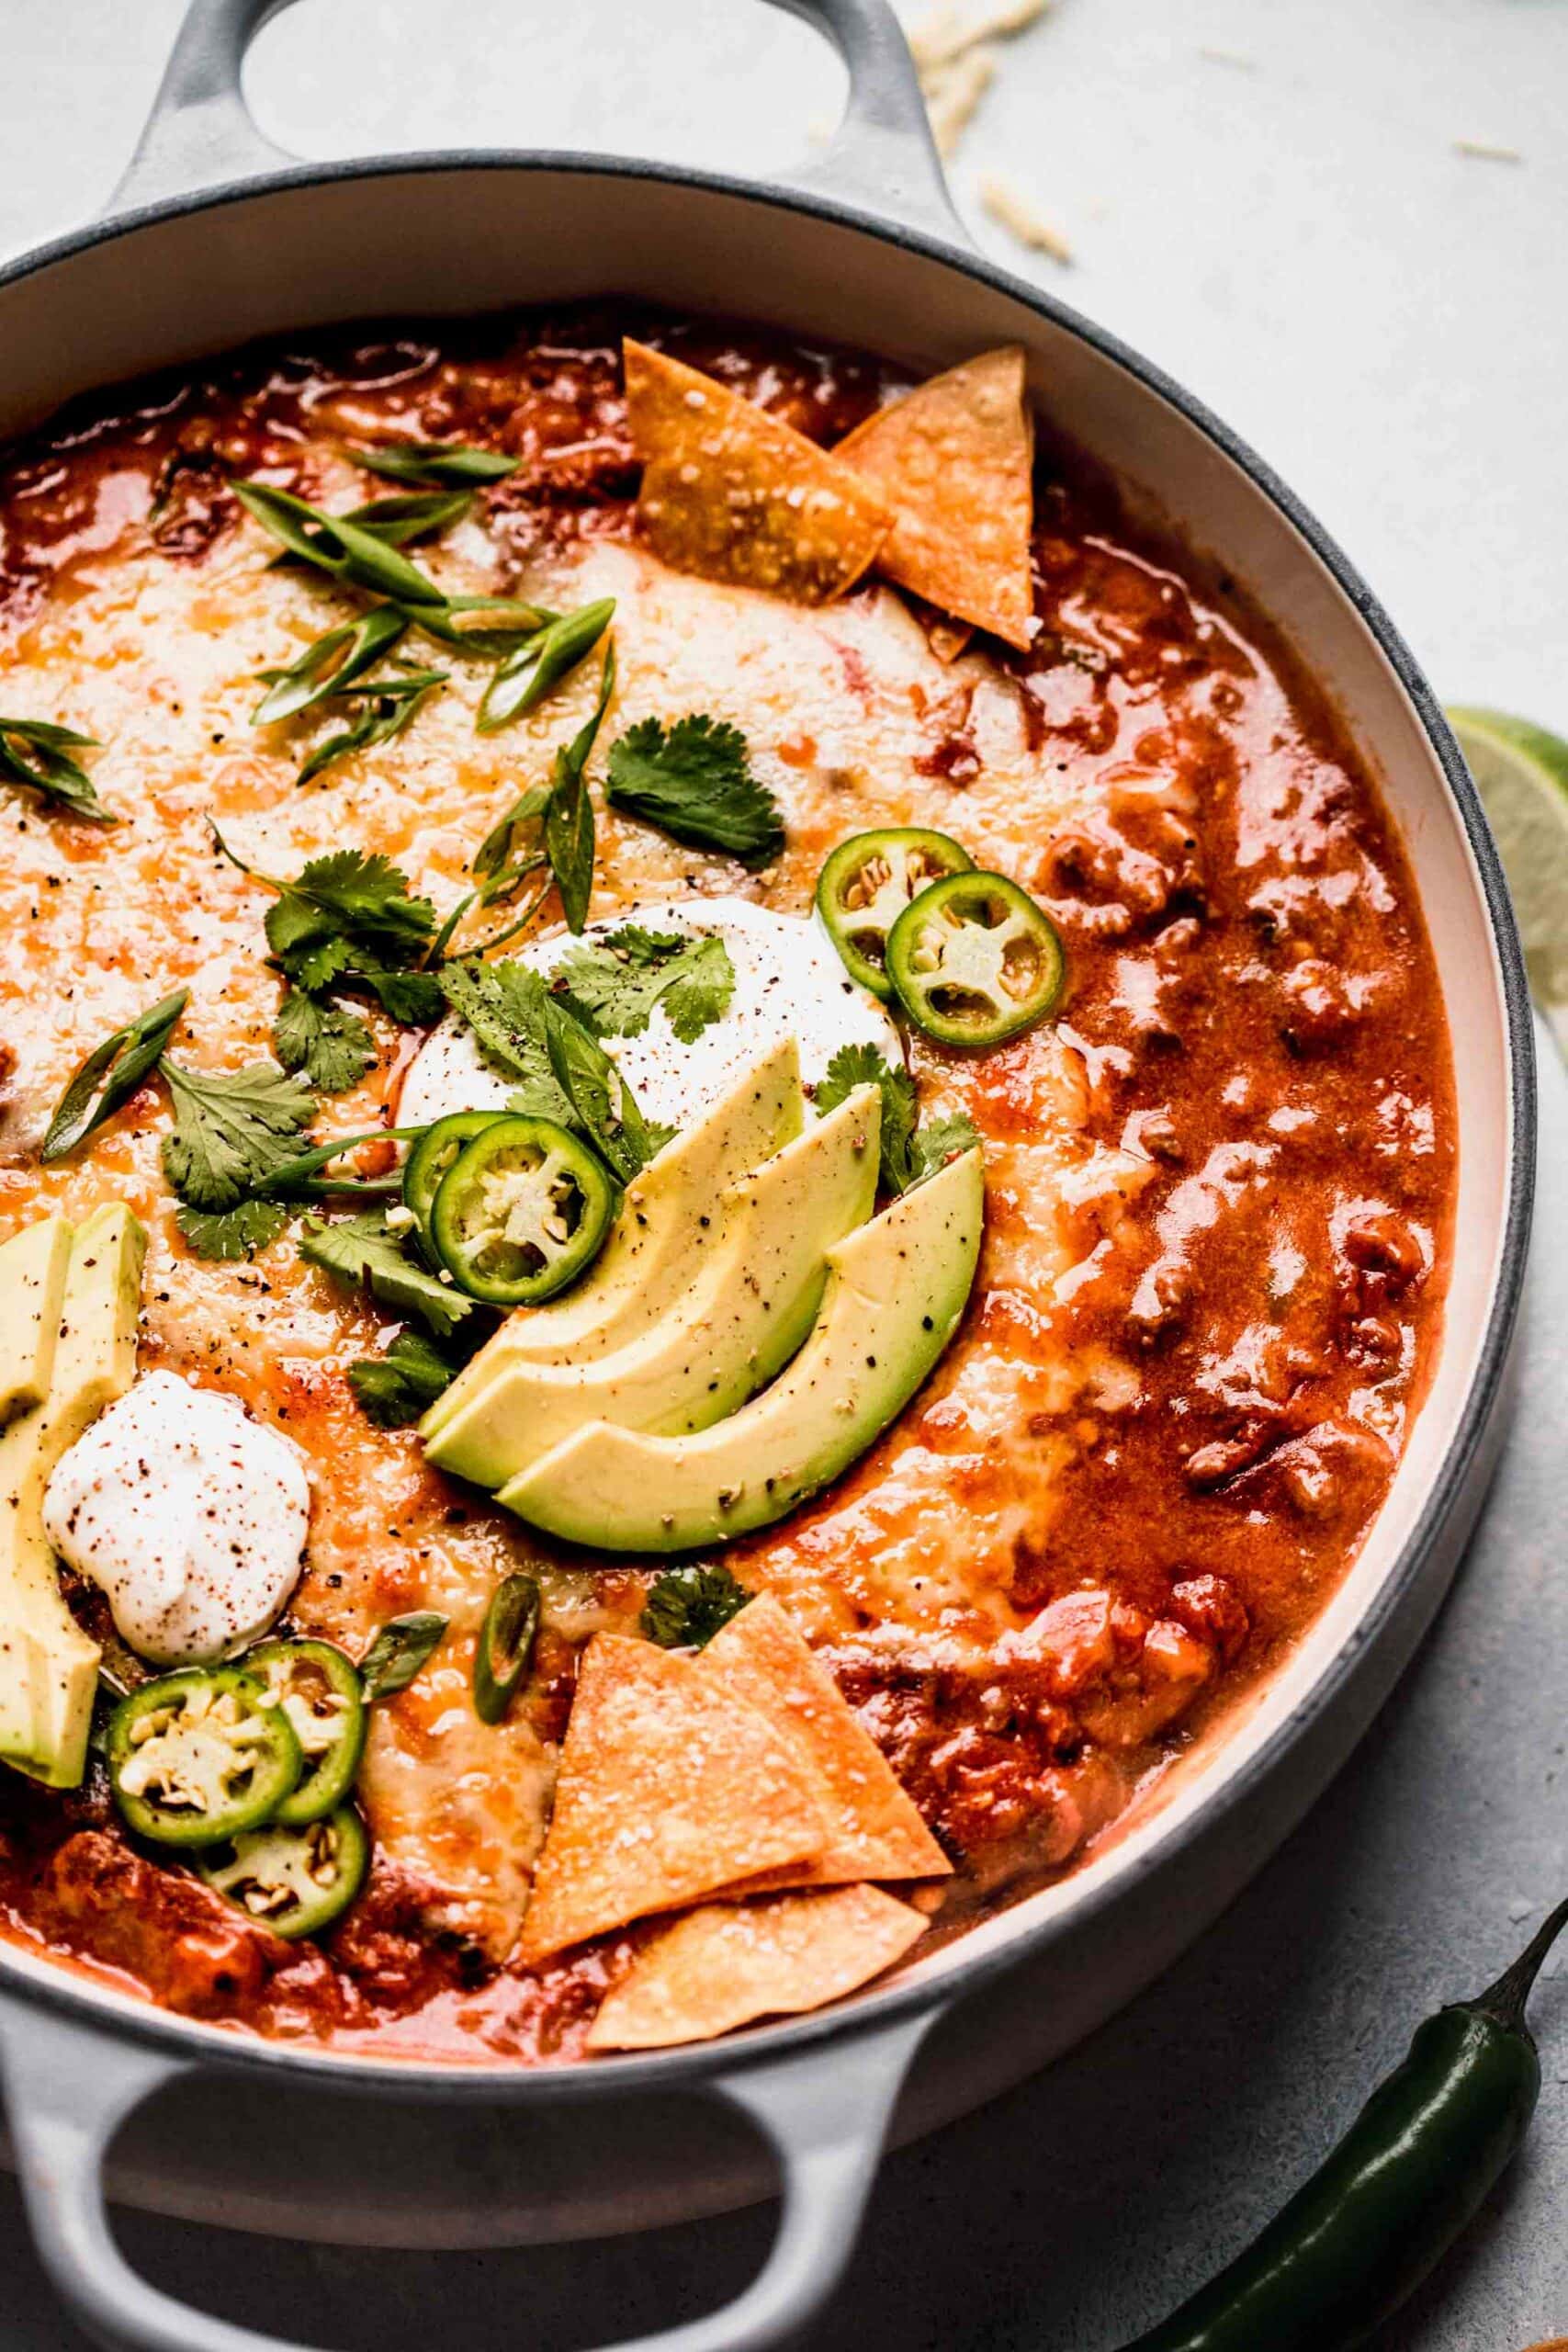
[{"x": 1265, "y": 196}]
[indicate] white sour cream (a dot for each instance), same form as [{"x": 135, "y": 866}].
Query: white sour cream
[
  {"x": 190, "y": 1516},
  {"x": 789, "y": 982}
]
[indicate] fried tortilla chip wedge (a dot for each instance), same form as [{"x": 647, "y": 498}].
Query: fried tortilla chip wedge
[
  {"x": 954, "y": 460},
  {"x": 736, "y": 494},
  {"x": 728, "y": 1962},
  {"x": 671, "y": 1787},
  {"x": 874, "y": 1829}
]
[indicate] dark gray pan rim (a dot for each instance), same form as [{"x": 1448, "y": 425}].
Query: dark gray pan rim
[{"x": 663, "y": 2071}]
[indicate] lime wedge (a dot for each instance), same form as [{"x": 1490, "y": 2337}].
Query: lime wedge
[{"x": 1521, "y": 773}]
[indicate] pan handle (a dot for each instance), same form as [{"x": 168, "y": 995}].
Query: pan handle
[
  {"x": 881, "y": 160},
  {"x": 199, "y": 133},
  {"x": 69, "y": 2088}
]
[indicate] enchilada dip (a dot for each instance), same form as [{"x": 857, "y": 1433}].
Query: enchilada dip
[{"x": 726, "y": 1150}]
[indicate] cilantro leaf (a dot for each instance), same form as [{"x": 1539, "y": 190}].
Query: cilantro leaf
[
  {"x": 350, "y": 919},
  {"x": 361, "y": 1250},
  {"x": 937, "y": 1142},
  {"x": 504, "y": 1004},
  {"x": 855, "y": 1065},
  {"x": 232, "y": 1130},
  {"x": 562, "y": 1072},
  {"x": 51, "y": 771},
  {"x": 397, "y": 1388},
  {"x": 110, "y": 1076},
  {"x": 233, "y": 1233},
  {"x": 357, "y": 894},
  {"x": 686, "y": 1607},
  {"x": 412, "y": 998},
  {"x": 332, "y": 1045},
  {"x": 692, "y": 780},
  {"x": 909, "y": 1153},
  {"x": 614, "y": 985}
]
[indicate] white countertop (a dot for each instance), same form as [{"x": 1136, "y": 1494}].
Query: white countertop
[{"x": 1264, "y": 195}]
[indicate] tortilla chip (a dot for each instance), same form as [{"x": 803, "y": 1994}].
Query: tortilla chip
[
  {"x": 734, "y": 493},
  {"x": 947, "y": 639},
  {"x": 730, "y": 1962},
  {"x": 669, "y": 1789},
  {"x": 874, "y": 1829},
  {"x": 953, "y": 461}
]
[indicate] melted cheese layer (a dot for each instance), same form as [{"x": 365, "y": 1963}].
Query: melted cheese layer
[{"x": 158, "y": 660}]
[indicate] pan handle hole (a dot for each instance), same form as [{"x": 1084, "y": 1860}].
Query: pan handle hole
[{"x": 743, "y": 89}]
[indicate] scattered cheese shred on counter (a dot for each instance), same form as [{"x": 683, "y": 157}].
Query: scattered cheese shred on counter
[
  {"x": 956, "y": 61},
  {"x": 941, "y": 38},
  {"x": 952, "y": 96},
  {"x": 1012, "y": 212}
]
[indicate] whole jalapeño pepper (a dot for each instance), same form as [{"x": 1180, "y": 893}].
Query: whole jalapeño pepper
[{"x": 1386, "y": 2205}]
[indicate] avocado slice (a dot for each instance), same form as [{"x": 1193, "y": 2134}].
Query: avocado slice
[
  {"x": 896, "y": 1291},
  {"x": 752, "y": 1296},
  {"x": 49, "y": 1669},
  {"x": 648, "y": 1262},
  {"x": 32, "y": 1282}
]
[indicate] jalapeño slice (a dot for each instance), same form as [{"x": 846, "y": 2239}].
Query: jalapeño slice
[
  {"x": 521, "y": 1213},
  {"x": 505, "y": 1647},
  {"x": 200, "y": 1756},
  {"x": 868, "y": 882},
  {"x": 433, "y": 1154},
  {"x": 319, "y": 1690},
  {"x": 295, "y": 1882},
  {"x": 974, "y": 960}
]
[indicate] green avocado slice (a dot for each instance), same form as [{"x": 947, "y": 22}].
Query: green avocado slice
[
  {"x": 49, "y": 1668},
  {"x": 757, "y": 1266},
  {"x": 32, "y": 1282},
  {"x": 648, "y": 1262},
  {"x": 897, "y": 1289}
]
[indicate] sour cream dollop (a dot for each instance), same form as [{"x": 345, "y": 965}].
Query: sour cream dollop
[
  {"x": 789, "y": 981},
  {"x": 190, "y": 1516}
]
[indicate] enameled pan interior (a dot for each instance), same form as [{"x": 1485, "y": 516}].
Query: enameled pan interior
[{"x": 457, "y": 238}]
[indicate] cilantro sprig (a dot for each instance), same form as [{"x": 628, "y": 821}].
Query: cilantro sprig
[
  {"x": 347, "y": 921},
  {"x": 694, "y": 782},
  {"x": 36, "y": 754},
  {"x": 614, "y": 985},
  {"x": 686, "y": 1607},
  {"x": 910, "y": 1150}
]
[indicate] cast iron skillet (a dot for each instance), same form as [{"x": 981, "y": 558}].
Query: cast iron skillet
[{"x": 79, "y": 2058}]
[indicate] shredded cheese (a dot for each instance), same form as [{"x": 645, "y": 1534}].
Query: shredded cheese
[
  {"x": 956, "y": 61},
  {"x": 944, "y": 35},
  {"x": 952, "y": 94},
  {"x": 1012, "y": 212}
]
